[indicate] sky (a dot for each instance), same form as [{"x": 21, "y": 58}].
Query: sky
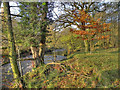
[{"x": 14, "y": 10}]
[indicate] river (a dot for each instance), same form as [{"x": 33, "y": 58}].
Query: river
[{"x": 26, "y": 66}]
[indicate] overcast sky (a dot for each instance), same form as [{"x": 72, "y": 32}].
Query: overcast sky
[{"x": 14, "y": 10}]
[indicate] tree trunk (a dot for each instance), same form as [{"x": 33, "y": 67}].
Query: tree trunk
[
  {"x": 34, "y": 52},
  {"x": 34, "y": 55},
  {"x": 86, "y": 42},
  {"x": 3, "y": 20},
  {"x": 68, "y": 51},
  {"x": 54, "y": 42},
  {"x": 87, "y": 46},
  {"x": 20, "y": 66},
  {"x": 41, "y": 53},
  {"x": 91, "y": 46},
  {"x": 12, "y": 48},
  {"x": 43, "y": 35}
]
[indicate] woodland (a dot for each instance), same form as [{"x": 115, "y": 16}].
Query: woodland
[{"x": 64, "y": 44}]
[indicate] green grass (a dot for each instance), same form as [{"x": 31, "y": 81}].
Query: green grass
[
  {"x": 105, "y": 62},
  {"x": 81, "y": 70}
]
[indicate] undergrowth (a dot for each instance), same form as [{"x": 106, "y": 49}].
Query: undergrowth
[{"x": 81, "y": 70}]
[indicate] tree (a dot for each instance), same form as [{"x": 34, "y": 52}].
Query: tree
[
  {"x": 43, "y": 31},
  {"x": 12, "y": 48},
  {"x": 88, "y": 28},
  {"x": 69, "y": 41},
  {"x": 35, "y": 18},
  {"x": 52, "y": 38},
  {"x": 110, "y": 16},
  {"x": 66, "y": 19}
]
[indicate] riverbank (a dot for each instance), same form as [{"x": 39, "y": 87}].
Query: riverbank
[
  {"x": 27, "y": 55},
  {"x": 81, "y": 70},
  {"x": 26, "y": 66}
]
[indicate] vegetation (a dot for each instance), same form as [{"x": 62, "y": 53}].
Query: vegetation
[
  {"x": 80, "y": 70},
  {"x": 88, "y": 29},
  {"x": 12, "y": 48},
  {"x": 86, "y": 32}
]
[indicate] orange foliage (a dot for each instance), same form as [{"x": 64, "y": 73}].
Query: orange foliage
[
  {"x": 95, "y": 27},
  {"x": 3, "y": 56}
]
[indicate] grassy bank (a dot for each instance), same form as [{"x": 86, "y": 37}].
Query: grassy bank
[{"x": 81, "y": 70}]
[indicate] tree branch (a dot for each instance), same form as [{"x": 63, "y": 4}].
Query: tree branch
[
  {"x": 16, "y": 15},
  {"x": 14, "y": 6}
]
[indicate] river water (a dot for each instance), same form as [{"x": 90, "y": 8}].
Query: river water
[{"x": 26, "y": 66}]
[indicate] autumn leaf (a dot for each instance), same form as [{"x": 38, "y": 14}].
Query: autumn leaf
[{"x": 80, "y": 16}]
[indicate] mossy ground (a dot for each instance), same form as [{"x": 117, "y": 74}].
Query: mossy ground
[{"x": 81, "y": 70}]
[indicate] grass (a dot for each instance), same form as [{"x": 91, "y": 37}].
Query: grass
[
  {"x": 105, "y": 62},
  {"x": 81, "y": 70}
]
